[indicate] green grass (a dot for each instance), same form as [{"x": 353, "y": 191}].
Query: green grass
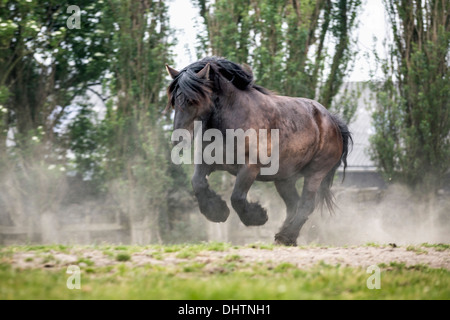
[
  {"x": 417, "y": 249},
  {"x": 190, "y": 281},
  {"x": 228, "y": 278},
  {"x": 87, "y": 261},
  {"x": 123, "y": 257},
  {"x": 438, "y": 246}
]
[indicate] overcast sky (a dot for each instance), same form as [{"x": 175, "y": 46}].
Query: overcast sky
[{"x": 184, "y": 17}]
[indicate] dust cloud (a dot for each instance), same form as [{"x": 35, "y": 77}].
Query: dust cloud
[
  {"x": 47, "y": 208},
  {"x": 364, "y": 215},
  {"x": 372, "y": 215},
  {"x": 393, "y": 215}
]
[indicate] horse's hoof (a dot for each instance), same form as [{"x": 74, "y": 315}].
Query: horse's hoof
[
  {"x": 255, "y": 215},
  {"x": 281, "y": 239},
  {"x": 215, "y": 210}
]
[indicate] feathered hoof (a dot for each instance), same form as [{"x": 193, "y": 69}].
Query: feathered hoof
[
  {"x": 215, "y": 209},
  {"x": 281, "y": 239},
  {"x": 254, "y": 215}
]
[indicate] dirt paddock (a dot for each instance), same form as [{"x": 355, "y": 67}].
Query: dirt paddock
[{"x": 301, "y": 257}]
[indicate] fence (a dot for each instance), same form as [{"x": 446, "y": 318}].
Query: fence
[{"x": 49, "y": 230}]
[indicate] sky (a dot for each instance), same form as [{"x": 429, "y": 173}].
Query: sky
[{"x": 184, "y": 18}]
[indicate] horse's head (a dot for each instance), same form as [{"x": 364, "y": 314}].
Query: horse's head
[{"x": 190, "y": 95}]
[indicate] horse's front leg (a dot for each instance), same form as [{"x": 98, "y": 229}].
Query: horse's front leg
[
  {"x": 211, "y": 205},
  {"x": 251, "y": 214}
]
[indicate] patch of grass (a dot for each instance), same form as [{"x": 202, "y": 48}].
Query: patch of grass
[
  {"x": 89, "y": 270},
  {"x": 373, "y": 244},
  {"x": 186, "y": 254},
  {"x": 43, "y": 248},
  {"x": 227, "y": 267},
  {"x": 37, "y": 248},
  {"x": 172, "y": 248},
  {"x": 233, "y": 257},
  {"x": 401, "y": 266},
  {"x": 438, "y": 246},
  {"x": 63, "y": 248},
  {"x": 184, "y": 251},
  {"x": 86, "y": 261},
  {"x": 416, "y": 249},
  {"x": 217, "y": 246},
  {"x": 123, "y": 257},
  {"x": 157, "y": 255},
  {"x": 48, "y": 258},
  {"x": 283, "y": 267},
  {"x": 265, "y": 246},
  {"x": 193, "y": 249},
  {"x": 192, "y": 267},
  {"x": 108, "y": 253}
]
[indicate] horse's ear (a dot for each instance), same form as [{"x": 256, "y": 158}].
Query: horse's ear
[
  {"x": 204, "y": 73},
  {"x": 172, "y": 72}
]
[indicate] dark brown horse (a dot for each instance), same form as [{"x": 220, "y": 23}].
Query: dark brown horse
[{"x": 312, "y": 142}]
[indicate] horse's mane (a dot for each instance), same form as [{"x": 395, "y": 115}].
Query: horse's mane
[{"x": 188, "y": 86}]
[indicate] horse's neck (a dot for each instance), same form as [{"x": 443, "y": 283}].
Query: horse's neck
[
  {"x": 227, "y": 98},
  {"x": 222, "y": 109}
]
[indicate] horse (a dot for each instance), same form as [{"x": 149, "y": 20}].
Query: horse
[{"x": 313, "y": 143}]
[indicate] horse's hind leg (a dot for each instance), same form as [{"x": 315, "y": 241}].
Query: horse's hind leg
[
  {"x": 211, "y": 205},
  {"x": 297, "y": 213},
  {"x": 289, "y": 194},
  {"x": 251, "y": 214}
]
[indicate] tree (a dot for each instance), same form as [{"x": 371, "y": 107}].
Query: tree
[
  {"x": 288, "y": 43},
  {"x": 411, "y": 144},
  {"x": 46, "y": 70},
  {"x": 43, "y": 65},
  {"x": 127, "y": 153}
]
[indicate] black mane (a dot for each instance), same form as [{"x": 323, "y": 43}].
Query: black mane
[{"x": 190, "y": 88}]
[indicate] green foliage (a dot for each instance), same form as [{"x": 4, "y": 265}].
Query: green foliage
[
  {"x": 123, "y": 257},
  {"x": 46, "y": 71},
  {"x": 412, "y": 122},
  {"x": 43, "y": 65},
  {"x": 86, "y": 140},
  {"x": 437, "y": 247},
  {"x": 285, "y": 43},
  {"x": 295, "y": 48},
  {"x": 127, "y": 152}
]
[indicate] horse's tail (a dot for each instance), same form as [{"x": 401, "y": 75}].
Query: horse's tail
[{"x": 325, "y": 196}]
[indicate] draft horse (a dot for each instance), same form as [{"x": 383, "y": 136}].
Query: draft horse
[{"x": 312, "y": 142}]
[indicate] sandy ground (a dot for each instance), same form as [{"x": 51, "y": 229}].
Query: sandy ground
[{"x": 357, "y": 256}]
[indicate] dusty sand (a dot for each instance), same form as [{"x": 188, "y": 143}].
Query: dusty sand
[{"x": 303, "y": 258}]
